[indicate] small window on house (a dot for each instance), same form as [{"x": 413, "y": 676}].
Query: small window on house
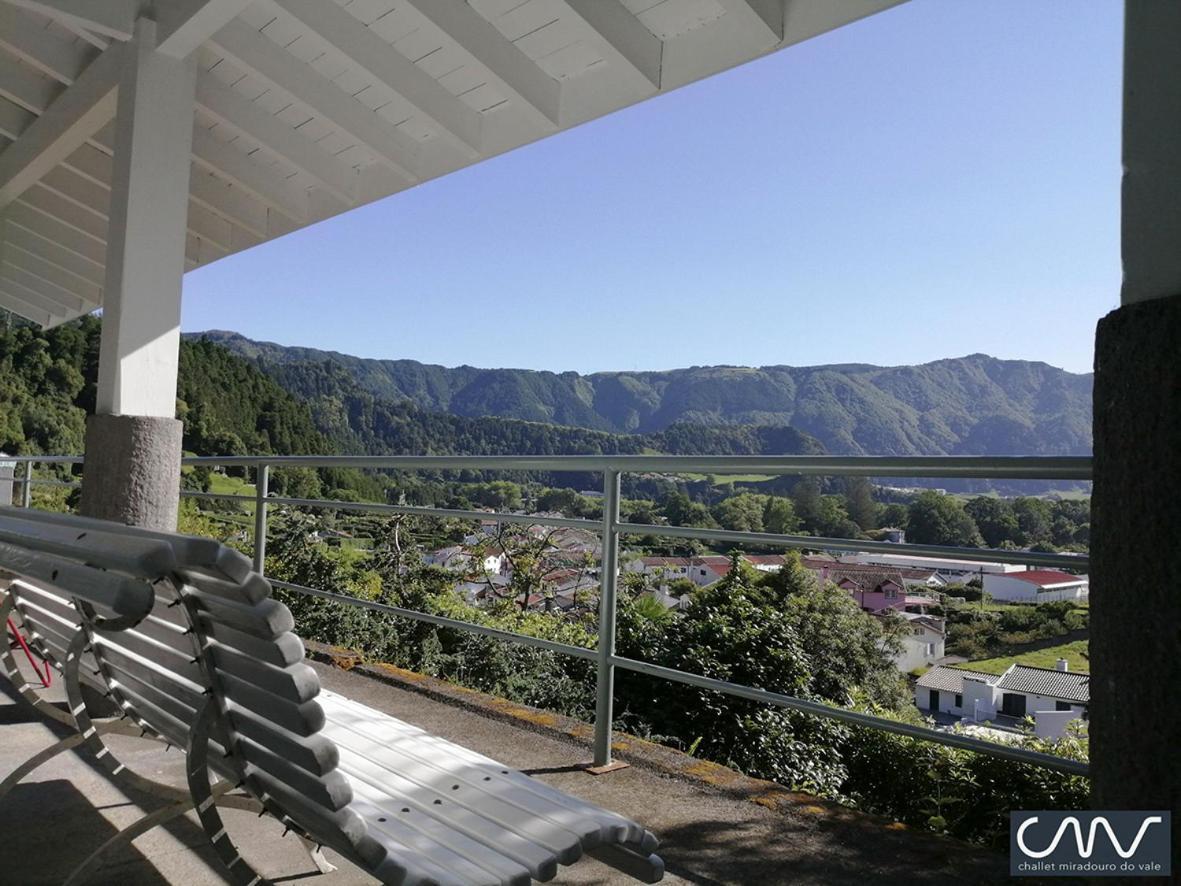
[
  {"x": 891, "y": 592},
  {"x": 918, "y": 632},
  {"x": 1062, "y": 706},
  {"x": 959, "y": 700}
]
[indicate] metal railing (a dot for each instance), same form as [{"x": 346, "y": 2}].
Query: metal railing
[{"x": 610, "y": 528}]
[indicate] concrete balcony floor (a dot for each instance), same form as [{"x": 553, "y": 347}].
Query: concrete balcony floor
[{"x": 713, "y": 830}]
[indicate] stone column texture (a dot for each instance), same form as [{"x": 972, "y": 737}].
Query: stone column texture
[
  {"x": 1135, "y": 549},
  {"x": 132, "y": 470}
]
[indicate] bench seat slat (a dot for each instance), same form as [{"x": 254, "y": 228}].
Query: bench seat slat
[
  {"x": 123, "y": 596},
  {"x": 533, "y": 853},
  {"x": 315, "y": 753},
  {"x": 331, "y": 790},
  {"x": 499, "y": 800},
  {"x": 302, "y": 719},
  {"x": 267, "y": 619},
  {"x": 391, "y": 732},
  {"x": 297, "y": 682},
  {"x": 284, "y": 650},
  {"x": 463, "y": 858},
  {"x": 106, "y": 549}
]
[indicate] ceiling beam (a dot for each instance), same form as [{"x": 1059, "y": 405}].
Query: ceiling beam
[
  {"x": 54, "y": 298},
  {"x": 262, "y": 181},
  {"x": 186, "y": 24},
  {"x": 455, "y": 121},
  {"x": 513, "y": 72},
  {"x": 51, "y": 253},
  {"x": 290, "y": 76},
  {"x": 760, "y": 15},
  {"x": 32, "y": 263},
  {"x": 112, "y": 18},
  {"x": 27, "y": 38},
  {"x": 627, "y": 41},
  {"x": 14, "y": 119},
  {"x": 76, "y": 114},
  {"x": 232, "y": 109},
  {"x": 41, "y": 221},
  {"x": 23, "y": 86},
  {"x": 23, "y": 309}
]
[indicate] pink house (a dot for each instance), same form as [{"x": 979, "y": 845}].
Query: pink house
[{"x": 874, "y": 590}]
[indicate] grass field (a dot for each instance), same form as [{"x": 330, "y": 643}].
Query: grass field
[{"x": 1074, "y": 652}]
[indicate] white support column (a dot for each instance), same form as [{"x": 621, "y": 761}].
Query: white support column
[
  {"x": 146, "y": 232},
  {"x": 133, "y": 442},
  {"x": 1152, "y": 151}
]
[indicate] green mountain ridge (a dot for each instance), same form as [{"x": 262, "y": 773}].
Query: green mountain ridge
[{"x": 973, "y": 405}]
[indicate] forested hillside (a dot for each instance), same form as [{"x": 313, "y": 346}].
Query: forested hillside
[
  {"x": 229, "y": 406},
  {"x": 975, "y": 405}
]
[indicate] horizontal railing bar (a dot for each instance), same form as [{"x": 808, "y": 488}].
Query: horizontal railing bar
[
  {"x": 816, "y": 542},
  {"x": 950, "y": 467},
  {"x": 440, "y": 620},
  {"x": 856, "y": 718},
  {"x": 413, "y": 510},
  {"x": 44, "y": 459},
  {"x": 215, "y": 496}
]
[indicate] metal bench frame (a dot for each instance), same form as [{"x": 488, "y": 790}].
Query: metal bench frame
[{"x": 139, "y": 575}]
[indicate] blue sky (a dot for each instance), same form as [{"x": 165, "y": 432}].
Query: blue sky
[{"x": 937, "y": 180}]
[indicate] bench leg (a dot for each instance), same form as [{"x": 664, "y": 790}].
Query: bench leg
[
  {"x": 12, "y": 671},
  {"x": 316, "y": 853},
  {"x": 204, "y": 799},
  {"x": 643, "y": 866}
]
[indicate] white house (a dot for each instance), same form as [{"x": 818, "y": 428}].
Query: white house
[
  {"x": 954, "y": 570},
  {"x": 923, "y": 641},
  {"x": 1036, "y": 586},
  {"x": 1020, "y": 691}
]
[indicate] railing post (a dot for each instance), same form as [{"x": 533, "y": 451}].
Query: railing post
[
  {"x": 261, "y": 483},
  {"x": 604, "y": 703},
  {"x": 27, "y": 487}
]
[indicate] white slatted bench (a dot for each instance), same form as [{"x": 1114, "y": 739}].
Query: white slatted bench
[{"x": 186, "y": 640}]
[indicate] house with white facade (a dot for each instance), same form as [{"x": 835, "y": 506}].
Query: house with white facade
[
  {"x": 923, "y": 641},
  {"x": 1036, "y": 586},
  {"x": 950, "y": 569},
  {"x": 1019, "y": 692}
]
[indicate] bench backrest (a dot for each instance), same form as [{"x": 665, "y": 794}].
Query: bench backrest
[{"x": 188, "y": 621}]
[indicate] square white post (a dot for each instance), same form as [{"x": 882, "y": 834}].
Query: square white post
[{"x": 133, "y": 444}]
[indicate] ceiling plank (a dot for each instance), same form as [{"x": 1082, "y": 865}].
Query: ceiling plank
[
  {"x": 628, "y": 41},
  {"x": 14, "y": 119},
  {"x": 76, "y": 114},
  {"x": 113, "y": 18},
  {"x": 231, "y": 109},
  {"x": 23, "y": 309},
  {"x": 26, "y": 38},
  {"x": 456, "y": 122},
  {"x": 56, "y": 298},
  {"x": 39, "y": 219},
  {"x": 290, "y": 76},
  {"x": 52, "y": 253},
  {"x": 23, "y": 86},
  {"x": 513, "y": 72},
  {"x": 261, "y": 181},
  {"x": 34, "y": 264}
]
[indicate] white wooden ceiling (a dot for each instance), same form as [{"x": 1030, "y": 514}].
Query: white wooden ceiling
[{"x": 307, "y": 108}]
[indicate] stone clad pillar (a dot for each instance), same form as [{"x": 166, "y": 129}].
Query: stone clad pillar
[
  {"x": 1136, "y": 505},
  {"x": 133, "y": 443}
]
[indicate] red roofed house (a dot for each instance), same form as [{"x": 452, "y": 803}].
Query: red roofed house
[{"x": 1035, "y": 586}]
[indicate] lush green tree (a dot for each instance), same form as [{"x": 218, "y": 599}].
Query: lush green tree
[
  {"x": 779, "y": 516},
  {"x": 859, "y": 503},
  {"x": 742, "y": 512},
  {"x": 936, "y": 519},
  {"x": 1036, "y": 519},
  {"x": 996, "y": 520}
]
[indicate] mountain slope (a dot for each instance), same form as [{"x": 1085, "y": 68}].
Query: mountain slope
[{"x": 974, "y": 405}]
